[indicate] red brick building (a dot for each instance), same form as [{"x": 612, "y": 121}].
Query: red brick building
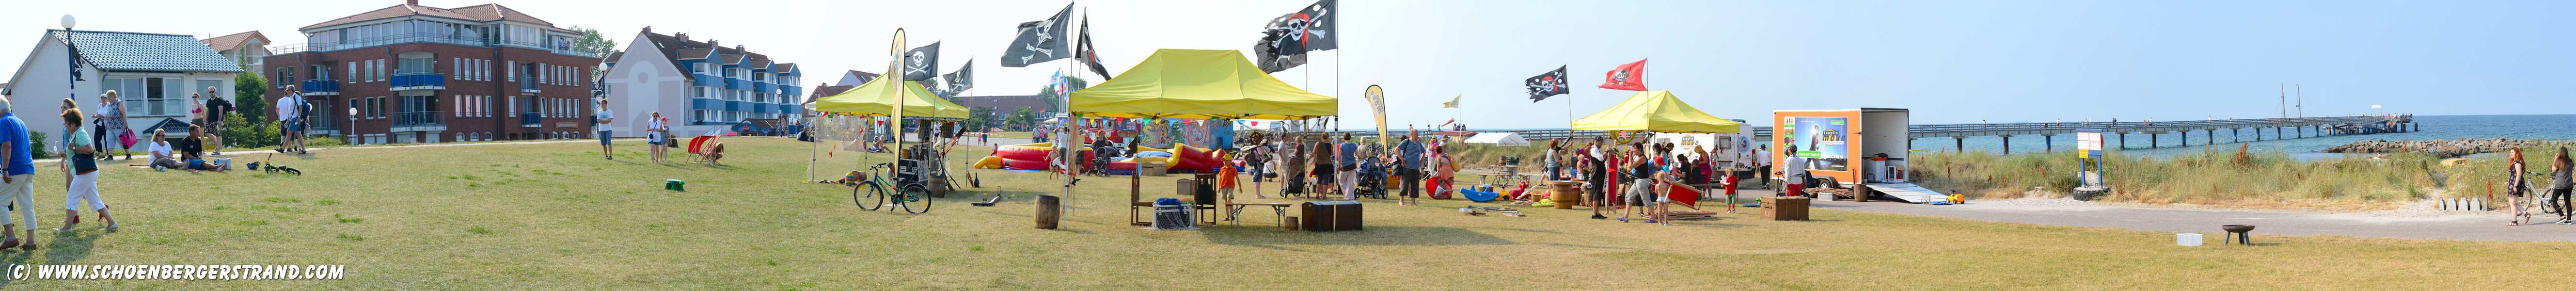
[{"x": 409, "y": 73}]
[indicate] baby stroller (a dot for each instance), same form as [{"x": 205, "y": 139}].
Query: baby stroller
[{"x": 1372, "y": 180}]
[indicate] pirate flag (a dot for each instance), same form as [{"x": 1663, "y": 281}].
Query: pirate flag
[
  {"x": 1631, "y": 76},
  {"x": 1313, "y": 28},
  {"x": 1089, "y": 57},
  {"x": 921, "y": 63},
  {"x": 1278, "y": 49},
  {"x": 1550, "y": 84},
  {"x": 1039, "y": 41},
  {"x": 962, "y": 79}
]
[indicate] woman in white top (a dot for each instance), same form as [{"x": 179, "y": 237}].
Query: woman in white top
[
  {"x": 162, "y": 159},
  {"x": 656, "y": 134}
]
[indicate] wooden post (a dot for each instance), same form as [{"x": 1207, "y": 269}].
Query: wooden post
[
  {"x": 2007, "y": 147},
  {"x": 2151, "y": 141},
  {"x": 1049, "y": 211}
]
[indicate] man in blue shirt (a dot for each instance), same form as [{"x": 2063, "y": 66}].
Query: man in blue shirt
[
  {"x": 1411, "y": 169},
  {"x": 17, "y": 180}
]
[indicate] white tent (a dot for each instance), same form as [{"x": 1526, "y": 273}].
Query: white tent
[{"x": 1499, "y": 138}]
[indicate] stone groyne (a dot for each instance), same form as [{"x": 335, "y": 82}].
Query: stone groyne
[{"x": 2450, "y": 148}]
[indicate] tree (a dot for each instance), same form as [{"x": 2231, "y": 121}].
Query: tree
[
  {"x": 593, "y": 42},
  {"x": 1054, "y": 101},
  {"x": 250, "y": 93},
  {"x": 979, "y": 118},
  {"x": 1021, "y": 119}
]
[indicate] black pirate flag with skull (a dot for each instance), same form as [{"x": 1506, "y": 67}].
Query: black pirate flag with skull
[
  {"x": 1550, "y": 84},
  {"x": 921, "y": 63},
  {"x": 1040, "y": 41}
]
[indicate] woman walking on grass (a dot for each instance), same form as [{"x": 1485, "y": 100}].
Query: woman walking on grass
[
  {"x": 2559, "y": 184},
  {"x": 84, "y": 173},
  {"x": 655, "y": 135}
]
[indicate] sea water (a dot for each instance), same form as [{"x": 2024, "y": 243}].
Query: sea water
[{"x": 2443, "y": 127}]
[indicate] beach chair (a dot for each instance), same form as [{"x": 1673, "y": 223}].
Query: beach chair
[{"x": 702, "y": 146}]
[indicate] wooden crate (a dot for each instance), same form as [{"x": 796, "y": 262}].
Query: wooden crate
[{"x": 1784, "y": 208}]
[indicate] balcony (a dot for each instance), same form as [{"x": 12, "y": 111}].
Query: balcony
[
  {"x": 321, "y": 87},
  {"x": 418, "y": 121},
  {"x": 420, "y": 81},
  {"x": 377, "y": 41},
  {"x": 532, "y": 119},
  {"x": 560, "y": 49},
  {"x": 321, "y": 124},
  {"x": 530, "y": 85}
]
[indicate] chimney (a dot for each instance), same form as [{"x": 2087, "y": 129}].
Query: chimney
[
  {"x": 648, "y": 30},
  {"x": 712, "y": 44},
  {"x": 412, "y": 2},
  {"x": 683, "y": 36},
  {"x": 739, "y": 48}
]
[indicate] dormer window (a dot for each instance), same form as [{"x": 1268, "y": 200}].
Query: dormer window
[{"x": 760, "y": 77}]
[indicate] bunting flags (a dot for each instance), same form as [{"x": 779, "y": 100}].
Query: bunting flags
[
  {"x": 1631, "y": 76},
  {"x": 1453, "y": 102},
  {"x": 1089, "y": 57},
  {"x": 921, "y": 63},
  {"x": 1039, "y": 41},
  {"x": 962, "y": 79},
  {"x": 1551, "y": 83}
]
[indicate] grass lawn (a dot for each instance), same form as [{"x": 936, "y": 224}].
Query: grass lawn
[{"x": 557, "y": 217}]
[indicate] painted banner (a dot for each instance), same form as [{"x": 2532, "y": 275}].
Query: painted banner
[{"x": 1822, "y": 140}]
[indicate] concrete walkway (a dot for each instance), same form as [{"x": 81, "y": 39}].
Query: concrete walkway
[{"x": 2484, "y": 226}]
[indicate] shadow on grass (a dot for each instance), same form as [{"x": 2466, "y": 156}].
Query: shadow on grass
[
  {"x": 67, "y": 247},
  {"x": 1272, "y": 237}
]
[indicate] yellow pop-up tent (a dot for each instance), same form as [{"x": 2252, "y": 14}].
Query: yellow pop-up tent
[
  {"x": 876, "y": 98},
  {"x": 1656, "y": 111},
  {"x": 1179, "y": 83}
]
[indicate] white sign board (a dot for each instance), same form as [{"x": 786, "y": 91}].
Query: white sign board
[{"x": 2091, "y": 141}]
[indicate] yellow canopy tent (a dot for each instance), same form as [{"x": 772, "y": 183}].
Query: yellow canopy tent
[
  {"x": 1656, "y": 111},
  {"x": 1179, "y": 83},
  {"x": 877, "y": 98}
]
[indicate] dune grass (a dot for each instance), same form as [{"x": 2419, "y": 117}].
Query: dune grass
[
  {"x": 556, "y": 217},
  {"x": 2210, "y": 177}
]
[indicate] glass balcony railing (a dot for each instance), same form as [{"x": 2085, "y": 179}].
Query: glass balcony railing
[
  {"x": 559, "y": 48},
  {"x": 529, "y": 84},
  {"x": 321, "y": 85},
  {"x": 418, "y": 118},
  {"x": 531, "y": 119},
  {"x": 419, "y": 79}
]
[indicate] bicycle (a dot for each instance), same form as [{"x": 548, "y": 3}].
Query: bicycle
[{"x": 913, "y": 196}]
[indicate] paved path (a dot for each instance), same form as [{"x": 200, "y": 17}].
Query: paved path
[{"x": 2486, "y": 227}]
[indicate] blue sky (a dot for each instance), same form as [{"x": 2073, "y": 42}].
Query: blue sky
[{"x": 1950, "y": 61}]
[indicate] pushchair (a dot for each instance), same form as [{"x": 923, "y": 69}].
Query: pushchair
[{"x": 1372, "y": 180}]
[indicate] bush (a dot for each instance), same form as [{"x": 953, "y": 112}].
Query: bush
[
  {"x": 36, "y": 140},
  {"x": 243, "y": 132}
]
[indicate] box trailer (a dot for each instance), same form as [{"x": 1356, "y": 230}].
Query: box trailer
[
  {"x": 1861, "y": 148},
  {"x": 1730, "y": 151}
]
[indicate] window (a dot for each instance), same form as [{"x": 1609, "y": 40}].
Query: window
[
  {"x": 457, "y": 70},
  {"x": 415, "y": 66},
  {"x": 284, "y": 77},
  {"x": 700, "y": 91},
  {"x": 353, "y": 73},
  {"x": 700, "y": 115},
  {"x": 514, "y": 71},
  {"x": 764, "y": 77},
  {"x": 735, "y": 73},
  {"x": 379, "y": 72},
  {"x": 699, "y": 68}
]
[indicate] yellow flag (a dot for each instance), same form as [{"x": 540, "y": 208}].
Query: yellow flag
[{"x": 1453, "y": 102}]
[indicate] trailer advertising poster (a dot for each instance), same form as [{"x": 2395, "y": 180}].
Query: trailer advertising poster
[{"x": 1822, "y": 140}]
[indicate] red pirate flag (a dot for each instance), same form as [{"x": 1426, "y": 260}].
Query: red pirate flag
[{"x": 1631, "y": 76}]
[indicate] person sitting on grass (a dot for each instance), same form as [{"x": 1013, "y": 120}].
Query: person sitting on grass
[
  {"x": 162, "y": 158},
  {"x": 192, "y": 153}
]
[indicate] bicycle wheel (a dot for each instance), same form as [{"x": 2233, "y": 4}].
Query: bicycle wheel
[
  {"x": 916, "y": 199},
  {"x": 868, "y": 195}
]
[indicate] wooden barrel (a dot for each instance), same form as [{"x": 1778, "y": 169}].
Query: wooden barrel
[
  {"x": 1565, "y": 194},
  {"x": 1050, "y": 209},
  {"x": 1289, "y": 222}
]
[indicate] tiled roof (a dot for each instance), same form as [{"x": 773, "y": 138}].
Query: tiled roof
[
  {"x": 755, "y": 64},
  {"x": 132, "y": 51},
  {"x": 733, "y": 59},
  {"x": 612, "y": 57},
  {"x": 787, "y": 67},
  {"x": 692, "y": 54},
  {"x": 485, "y": 12},
  {"x": 828, "y": 91},
  {"x": 230, "y": 42}
]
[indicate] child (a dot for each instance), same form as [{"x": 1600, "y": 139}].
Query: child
[{"x": 1730, "y": 193}]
